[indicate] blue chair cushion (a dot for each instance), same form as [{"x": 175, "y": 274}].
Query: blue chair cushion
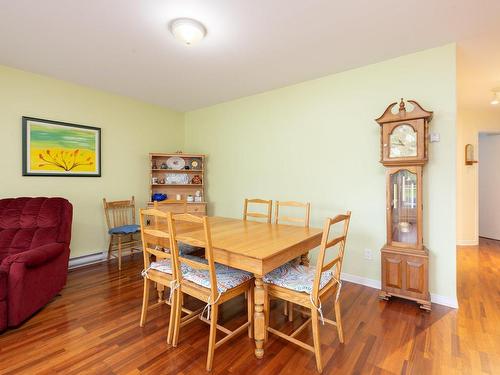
[{"x": 125, "y": 229}]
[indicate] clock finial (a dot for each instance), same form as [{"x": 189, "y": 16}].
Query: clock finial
[{"x": 402, "y": 107}]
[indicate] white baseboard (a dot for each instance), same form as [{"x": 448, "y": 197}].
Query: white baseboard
[
  {"x": 86, "y": 260},
  {"x": 444, "y": 300},
  {"x": 94, "y": 258},
  {"x": 468, "y": 242},
  {"x": 376, "y": 284}
]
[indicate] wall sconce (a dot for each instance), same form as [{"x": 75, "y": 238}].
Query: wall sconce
[{"x": 469, "y": 155}]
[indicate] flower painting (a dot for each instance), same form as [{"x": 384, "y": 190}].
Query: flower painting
[{"x": 52, "y": 148}]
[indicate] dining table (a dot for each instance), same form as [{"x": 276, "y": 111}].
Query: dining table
[{"x": 256, "y": 247}]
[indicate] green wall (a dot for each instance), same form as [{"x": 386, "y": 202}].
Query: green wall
[
  {"x": 317, "y": 141},
  {"x": 130, "y": 130}
]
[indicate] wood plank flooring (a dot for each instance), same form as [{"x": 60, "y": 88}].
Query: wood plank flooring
[{"x": 93, "y": 328}]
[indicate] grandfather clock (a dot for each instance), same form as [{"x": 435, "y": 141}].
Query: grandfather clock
[{"x": 405, "y": 260}]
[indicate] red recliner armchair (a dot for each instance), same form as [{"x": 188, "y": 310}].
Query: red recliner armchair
[{"x": 34, "y": 251}]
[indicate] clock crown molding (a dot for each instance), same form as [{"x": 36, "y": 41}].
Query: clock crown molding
[{"x": 417, "y": 113}]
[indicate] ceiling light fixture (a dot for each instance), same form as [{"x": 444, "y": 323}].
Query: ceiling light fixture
[
  {"x": 496, "y": 97},
  {"x": 187, "y": 30}
]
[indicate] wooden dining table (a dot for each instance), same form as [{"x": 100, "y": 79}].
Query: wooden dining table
[{"x": 257, "y": 248}]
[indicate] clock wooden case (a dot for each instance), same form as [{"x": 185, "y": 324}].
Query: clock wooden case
[{"x": 405, "y": 260}]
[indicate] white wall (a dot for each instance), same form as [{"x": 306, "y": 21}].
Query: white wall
[
  {"x": 470, "y": 123},
  {"x": 489, "y": 186},
  {"x": 317, "y": 141}
]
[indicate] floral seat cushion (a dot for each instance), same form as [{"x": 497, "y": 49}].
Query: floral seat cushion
[
  {"x": 166, "y": 266},
  {"x": 227, "y": 277},
  {"x": 297, "y": 277}
]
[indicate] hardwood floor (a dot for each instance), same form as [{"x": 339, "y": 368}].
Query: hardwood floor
[{"x": 93, "y": 328}]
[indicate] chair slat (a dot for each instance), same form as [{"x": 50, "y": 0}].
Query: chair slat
[
  {"x": 154, "y": 212},
  {"x": 159, "y": 253},
  {"x": 256, "y": 214},
  {"x": 292, "y": 204},
  {"x": 189, "y": 218},
  {"x": 194, "y": 264},
  {"x": 257, "y": 200},
  {"x": 338, "y": 219},
  {"x": 292, "y": 219},
  {"x": 156, "y": 233},
  {"x": 334, "y": 241},
  {"x": 330, "y": 264},
  {"x": 190, "y": 241}
]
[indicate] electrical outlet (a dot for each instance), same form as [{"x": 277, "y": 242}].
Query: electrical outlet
[{"x": 368, "y": 254}]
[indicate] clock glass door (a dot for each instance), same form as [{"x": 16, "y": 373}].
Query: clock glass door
[{"x": 404, "y": 213}]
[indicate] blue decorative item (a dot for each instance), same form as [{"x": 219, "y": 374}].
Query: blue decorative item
[{"x": 159, "y": 197}]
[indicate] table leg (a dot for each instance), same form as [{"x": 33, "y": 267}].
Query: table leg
[
  {"x": 160, "y": 289},
  {"x": 259, "y": 320}
]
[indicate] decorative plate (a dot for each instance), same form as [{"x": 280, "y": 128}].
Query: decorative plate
[
  {"x": 176, "y": 163},
  {"x": 195, "y": 164},
  {"x": 175, "y": 178}
]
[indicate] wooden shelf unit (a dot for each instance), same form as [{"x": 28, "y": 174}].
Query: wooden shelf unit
[{"x": 157, "y": 159}]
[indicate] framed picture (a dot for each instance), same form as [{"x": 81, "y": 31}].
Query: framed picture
[{"x": 53, "y": 148}]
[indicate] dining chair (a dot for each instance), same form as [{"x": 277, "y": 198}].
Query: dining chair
[
  {"x": 178, "y": 207},
  {"x": 307, "y": 286},
  {"x": 122, "y": 227},
  {"x": 280, "y": 218},
  {"x": 207, "y": 281},
  {"x": 156, "y": 242},
  {"x": 266, "y": 215}
]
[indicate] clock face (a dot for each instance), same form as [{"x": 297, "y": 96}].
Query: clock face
[{"x": 403, "y": 142}]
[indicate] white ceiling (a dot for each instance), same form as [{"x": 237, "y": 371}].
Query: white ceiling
[{"x": 123, "y": 46}]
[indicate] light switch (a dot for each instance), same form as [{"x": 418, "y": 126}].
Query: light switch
[{"x": 435, "y": 137}]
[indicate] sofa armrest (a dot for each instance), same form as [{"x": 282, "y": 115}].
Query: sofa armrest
[{"x": 34, "y": 257}]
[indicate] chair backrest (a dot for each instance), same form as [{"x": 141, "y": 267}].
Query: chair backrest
[
  {"x": 119, "y": 213},
  {"x": 326, "y": 244},
  {"x": 182, "y": 227},
  {"x": 267, "y": 215},
  {"x": 289, "y": 219},
  {"x": 172, "y": 205},
  {"x": 155, "y": 236}
]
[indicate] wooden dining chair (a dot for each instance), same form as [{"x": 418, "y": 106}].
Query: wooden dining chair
[
  {"x": 122, "y": 227},
  {"x": 303, "y": 220},
  {"x": 207, "y": 281},
  {"x": 307, "y": 286},
  {"x": 177, "y": 207},
  {"x": 158, "y": 261},
  {"x": 266, "y": 215}
]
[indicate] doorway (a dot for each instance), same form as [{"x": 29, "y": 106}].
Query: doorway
[{"x": 489, "y": 183}]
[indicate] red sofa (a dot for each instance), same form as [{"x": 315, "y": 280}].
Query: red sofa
[{"x": 34, "y": 251}]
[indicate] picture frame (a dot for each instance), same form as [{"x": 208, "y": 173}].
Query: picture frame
[{"x": 60, "y": 149}]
